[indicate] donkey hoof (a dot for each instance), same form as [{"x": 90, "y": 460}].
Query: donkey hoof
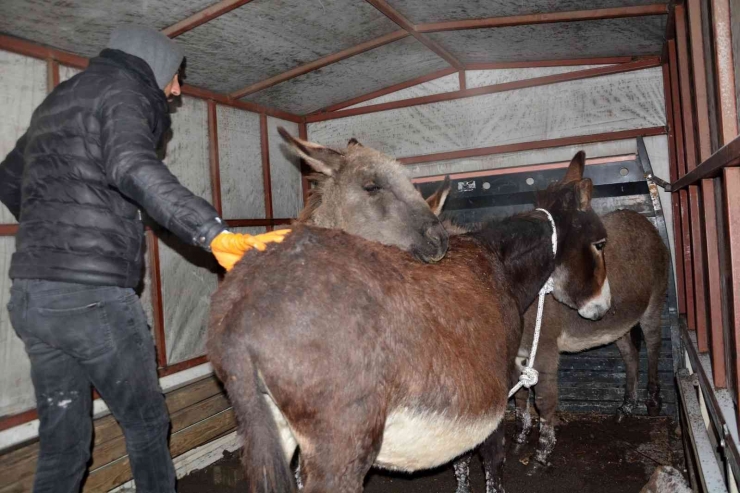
[
  {"x": 621, "y": 415},
  {"x": 653, "y": 407}
]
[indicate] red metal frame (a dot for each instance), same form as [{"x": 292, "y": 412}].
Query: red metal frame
[
  {"x": 478, "y": 91},
  {"x": 321, "y": 62},
  {"x": 213, "y": 157},
  {"x": 614, "y": 60},
  {"x": 155, "y": 287},
  {"x": 8, "y": 229},
  {"x": 463, "y": 83},
  {"x": 265, "y": 147},
  {"x": 405, "y": 24},
  {"x": 303, "y": 134},
  {"x": 732, "y": 209},
  {"x": 545, "y": 18},
  {"x": 725, "y": 70},
  {"x": 205, "y": 15}
]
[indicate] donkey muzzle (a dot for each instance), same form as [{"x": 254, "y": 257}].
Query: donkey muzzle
[
  {"x": 596, "y": 307},
  {"x": 434, "y": 244}
]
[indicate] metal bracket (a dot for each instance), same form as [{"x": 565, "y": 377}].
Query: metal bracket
[{"x": 658, "y": 181}]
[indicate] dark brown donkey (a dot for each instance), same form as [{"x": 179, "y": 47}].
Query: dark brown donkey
[
  {"x": 638, "y": 264},
  {"x": 370, "y": 357}
]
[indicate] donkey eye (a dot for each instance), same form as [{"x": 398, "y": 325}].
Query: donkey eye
[
  {"x": 371, "y": 188},
  {"x": 599, "y": 245}
]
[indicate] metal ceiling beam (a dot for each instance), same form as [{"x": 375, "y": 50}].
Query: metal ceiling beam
[
  {"x": 396, "y": 17},
  {"x": 205, "y": 15},
  {"x": 544, "y": 18},
  {"x": 321, "y": 62}
]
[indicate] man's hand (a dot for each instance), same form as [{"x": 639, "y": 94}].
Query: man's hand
[{"x": 228, "y": 248}]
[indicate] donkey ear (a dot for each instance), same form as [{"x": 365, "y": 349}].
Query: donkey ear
[
  {"x": 322, "y": 159},
  {"x": 584, "y": 190},
  {"x": 575, "y": 170},
  {"x": 354, "y": 142},
  {"x": 436, "y": 201}
]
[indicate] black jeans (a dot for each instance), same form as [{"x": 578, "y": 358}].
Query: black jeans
[{"x": 77, "y": 335}]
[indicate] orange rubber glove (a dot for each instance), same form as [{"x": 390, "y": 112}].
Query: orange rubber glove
[{"x": 229, "y": 248}]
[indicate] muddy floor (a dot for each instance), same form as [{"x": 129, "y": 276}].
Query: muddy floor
[{"x": 593, "y": 454}]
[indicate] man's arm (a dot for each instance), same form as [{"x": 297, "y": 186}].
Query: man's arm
[
  {"x": 132, "y": 166},
  {"x": 11, "y": 172}
]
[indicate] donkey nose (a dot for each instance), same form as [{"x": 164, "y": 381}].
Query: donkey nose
[{"x": 438, "y": 238}]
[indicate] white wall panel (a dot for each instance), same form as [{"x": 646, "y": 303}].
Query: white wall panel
[
  {"x": 16, "y": 388},
  {"x": 285, "y": 171},
  {"x": 66, "y": 72},
  {"x": 22, "y": 89},
  {"x": 187, "y": 279},
  {"x": 602, "y": 104},
  {"x": 480, "y": 78},
  {"x": 240, "y": 158}
]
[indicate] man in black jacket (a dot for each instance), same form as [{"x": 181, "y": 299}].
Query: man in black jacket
[{"x": 75, "y": 181}]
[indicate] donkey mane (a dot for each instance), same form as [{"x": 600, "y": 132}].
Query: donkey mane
[{"x": 314, "y": 199}]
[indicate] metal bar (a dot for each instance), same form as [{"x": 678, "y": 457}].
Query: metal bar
[
  {"x": 478, "y": 91},
  {"x": 711, "y": 475},
  {"x": 716, "y": 327},
  {"x": 7, "y": 422},
  {"x": 725, "y": 70},
  {"x": 560, "y": 63},
  {"x": 726, "y": 156},
  {"x": 700, "y": 79},
  {"x": 404, "y": 23},
  {"x": 183, "y": 365},
  {"x": 267, "y": 182},
  {"x": 677, "y": 118},
  {"x": 205, "y": 15},
  {"x": 306, "y": 186},
  {"x": 732, "y": 214},
  {"x": 711, "y": 399},
  {"x": 673, "y": 170},
  {"x": 156, "y": 290},
  {"x": 34, "y": 50},
  {"x": 388, "y": 90},
  {"x": 697, "y": 254},
  {"x": 684, "y": 80},
  {"x": 213, "y": 157},
  {"x": 687, "y": 264},
  {"x": 538, "y": 144},
  {"x": 463, "y": 83},
  {"x": 8, "y": 229},
  {"x": 246, "y": 223},
  {"x": 236, "y": 103},
  {"x": 321, "y": 62},
  {"x": 545, "y": 18},
  {"x": 52, "y": 74}
]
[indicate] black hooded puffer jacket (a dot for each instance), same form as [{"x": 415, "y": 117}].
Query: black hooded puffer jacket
[{"x": 88, "y": 161}]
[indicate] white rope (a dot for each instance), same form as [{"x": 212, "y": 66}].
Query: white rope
[{"x": 530, "y": 376}]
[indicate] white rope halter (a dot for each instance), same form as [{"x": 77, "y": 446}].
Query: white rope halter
[{"x": 530, "y": 376}]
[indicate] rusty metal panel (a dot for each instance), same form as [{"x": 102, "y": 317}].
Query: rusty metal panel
[
  {"x": 714, "y": 283},
  {"x": 725, "y": 70},
  {"x": 697, "y": 254},
  {"x": 732, "y": 214},
  {"x": 594, "y": 38},
  {"x": 687, "y": 258}
]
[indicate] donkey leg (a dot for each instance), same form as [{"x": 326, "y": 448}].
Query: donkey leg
[
  {"x": 546, "y": 399},
  {"x": 523, "y": 418},
  {"x": 462, "y": 473},
  {"x": 631, "y": 358},
  {"x": 652, "y": 331},
  {"x": 493, "y": 453}
]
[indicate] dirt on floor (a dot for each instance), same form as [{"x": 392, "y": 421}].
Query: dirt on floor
[{"x": 593, "y": 454}]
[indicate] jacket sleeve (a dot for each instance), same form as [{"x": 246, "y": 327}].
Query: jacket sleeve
[
  {"x": 11, "y": 172},
  {"x": 132, "y": 166}
]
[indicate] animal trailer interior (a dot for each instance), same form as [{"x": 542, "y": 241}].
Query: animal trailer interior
[{"x": 499, "y": 96}]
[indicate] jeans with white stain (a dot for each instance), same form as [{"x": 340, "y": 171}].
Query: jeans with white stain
[{"x": 78, "y": 336}]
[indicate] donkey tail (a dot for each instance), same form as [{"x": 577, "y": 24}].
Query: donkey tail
[{"x": 263, "y": 458}]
